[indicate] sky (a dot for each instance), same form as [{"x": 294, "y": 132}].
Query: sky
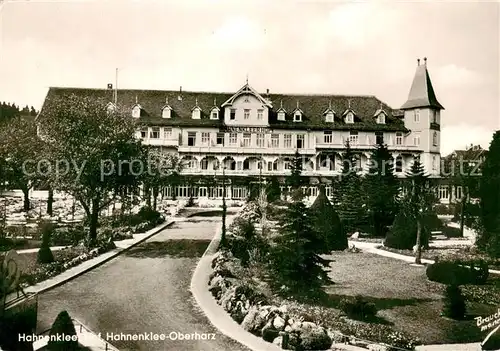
[{"x": 358, "y": 48}]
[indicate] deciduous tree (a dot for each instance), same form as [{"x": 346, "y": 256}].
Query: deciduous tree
[{"x": 99, "y": 149}]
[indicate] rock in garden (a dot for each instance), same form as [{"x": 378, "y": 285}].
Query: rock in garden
[
  {"x": 279, "y": 323},
  {"x": 253, "y": 322},
  {"x": 355, "y": 235}
]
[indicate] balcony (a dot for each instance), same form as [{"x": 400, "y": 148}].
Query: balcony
[
  {"x": 237, "y": 149},
  {"x": 364, "y": 143},
  {"x": 161, "y": 141}
]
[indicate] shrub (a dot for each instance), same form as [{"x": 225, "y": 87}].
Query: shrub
[
  {"x": 454, "y": 303},
  {"x": 403, "y": 233},
  {"x": 328, "y": 224},
  {"x": 44, "y": 253},
  {"x": 70, "y": 236},
  {"x": 358, "y": 308},
  {"x": 6, "y": 244},
  {"x": 147, "y": 214},
  {"x": 63, "y": 326}
]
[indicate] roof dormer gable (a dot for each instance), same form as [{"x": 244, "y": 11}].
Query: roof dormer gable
[
  {"x": 349, "y": 116},
  {"x": 196, "y": 111},
  {"x": 297, "y": 114},
  {"x": 136, "y": 111},
  {"x": 247, "y": 90},
  {"x": 214, "y": 111},
  {"x": 166, "y": 110},
  {"x": 329, "y": 113},
  {"x": 381, "y": 116},
  {"x": 281, "y": 112}
]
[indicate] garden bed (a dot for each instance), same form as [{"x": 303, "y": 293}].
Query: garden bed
[{"x": 408, "y": 306}]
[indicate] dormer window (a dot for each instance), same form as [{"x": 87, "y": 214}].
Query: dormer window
[
  {"x": 214, "y": 114},
  {"x": 166, "y": 112},
  {"x": 136, "y": 111},
  {"x": 329, "y": 117},
  {"x": 281, "y": 115},
  {"x": 297, "y": 116},
  {"x": 381, "y": 118},
  {"x": 349, "y": 118},
  {"x": 196, "y": 113}
]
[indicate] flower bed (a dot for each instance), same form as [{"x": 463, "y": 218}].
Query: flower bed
[
  {"x": 64, "y": 259},
  {"x": 245, "y": 295}
]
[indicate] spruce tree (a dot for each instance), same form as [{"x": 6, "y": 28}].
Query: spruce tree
[
  {"x": 409, "y": 226},
  {"x": 273, "y": 190},
  {"x": 64, "y": 328},
  {"x": 381, "y": 188},
  {"x": 351, "y": 206},
  {"x": 489, "y": 236},
  {"x": 294, "y": 258},
  {"x": 327, "y": 223},
  {"x": 295, "y": 179}
]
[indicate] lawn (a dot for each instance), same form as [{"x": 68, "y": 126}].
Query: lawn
[{"x": 404, "y": 297}]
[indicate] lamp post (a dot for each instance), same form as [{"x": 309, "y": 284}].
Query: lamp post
[{"x": 223, "y": 242}]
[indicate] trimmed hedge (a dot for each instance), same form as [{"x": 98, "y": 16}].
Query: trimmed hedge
[
  {"x": 63, "y": 327},
  {"x": 458, "y": 273}
]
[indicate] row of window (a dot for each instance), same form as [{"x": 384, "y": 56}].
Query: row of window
[
  {"x": 434, "y": 116},
  {"x": 154, "y": 133},
  {"x": 247, "y": 114}
]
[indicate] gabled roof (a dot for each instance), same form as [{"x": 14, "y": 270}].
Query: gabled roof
[
  {"x": 166, "y": 105},
  {"x": 349, "y": 110},
  {"x": 421, "y": 91},
  {"x": 247, "y": 89},
  {"x": 312, "y": 105},
  {"x": 196, "y": 107}
]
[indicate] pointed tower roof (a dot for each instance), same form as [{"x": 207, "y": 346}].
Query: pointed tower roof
[{"x": 421, "y": 91}]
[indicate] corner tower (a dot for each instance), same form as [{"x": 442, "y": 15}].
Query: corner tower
[{"x": 422, "y": 116}]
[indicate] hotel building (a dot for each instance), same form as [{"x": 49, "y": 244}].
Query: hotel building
[{"x": 250, "y": 135}]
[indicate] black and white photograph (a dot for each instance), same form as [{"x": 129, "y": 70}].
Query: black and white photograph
[{"x": 249, "y": 175}]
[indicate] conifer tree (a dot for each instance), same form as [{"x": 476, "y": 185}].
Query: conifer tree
[
  {"x": 409, "y": 226},
  {"x": 273, "y": 189},
  {"x": 489, "y": 236},
  {"x": 327, "y": 223},
  {"x": 351, "y": 204},
  {"x": 381, "y": 188},
  {"x": 294, "y": 259},
  {"x": 64, "y": 328}
]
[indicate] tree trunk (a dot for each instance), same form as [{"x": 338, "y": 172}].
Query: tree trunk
[
  {"x": 155, "y": 197},
  {"x": 94, "y": 218},
  {"x": 50, "y": 201},
  {"x": 418, "y": 253},
  {"x": 26, "y": 199},
  {"x": 463, "y": 210}
]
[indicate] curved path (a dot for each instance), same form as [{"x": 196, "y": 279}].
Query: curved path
[{"x": 145, "y": 290}]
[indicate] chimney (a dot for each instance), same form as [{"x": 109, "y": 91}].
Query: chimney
[
  {"x": 180, "y": 94},
  {"x": 110, "y": 86},
  {"x": 267, "y": 91},
  {"x": 425, "y": 61},
  {"x": 418, "y": 62}
]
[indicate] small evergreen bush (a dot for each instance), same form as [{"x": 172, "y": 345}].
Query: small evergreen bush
[
  {"x": 44, "y": 253},
  {"x": 403, "y": 233},
  {"x": 63, "y": 326},
  {"x": 458, "y": 272},
  {"x": 454, "y": 303},
  {"x": 358, "y": 308},
  {"x": 147, "y": 214}
]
